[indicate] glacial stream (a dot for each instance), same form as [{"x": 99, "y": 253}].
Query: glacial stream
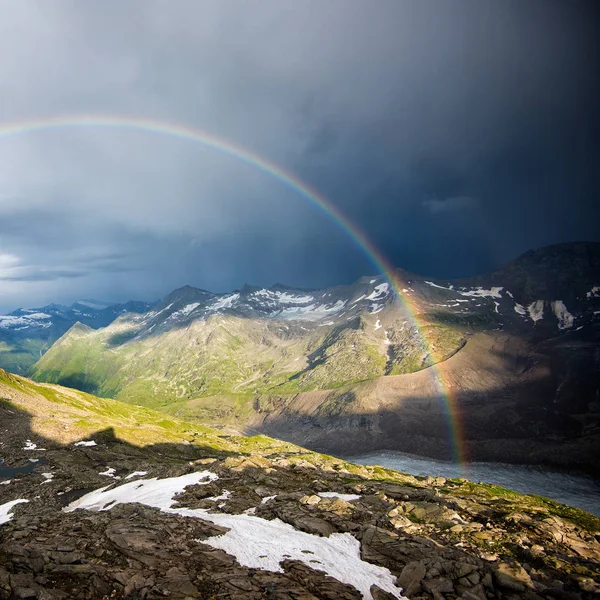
[{"x": 575, "y": 490}]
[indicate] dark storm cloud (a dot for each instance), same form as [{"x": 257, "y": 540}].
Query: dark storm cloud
[{"x": 456, "y": 134}]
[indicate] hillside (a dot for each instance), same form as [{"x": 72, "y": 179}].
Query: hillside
[
  {"x": 349, "y": 363},
  {"x": 26, "y": 333},
  {"x": 100, "y": 499},
  {"x": 251, "y": 341}
]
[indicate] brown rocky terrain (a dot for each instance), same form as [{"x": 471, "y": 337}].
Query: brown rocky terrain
[{"x": 93, "y": 521}]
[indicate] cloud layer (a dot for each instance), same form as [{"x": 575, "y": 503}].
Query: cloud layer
[{"x": 399, "y": 112}]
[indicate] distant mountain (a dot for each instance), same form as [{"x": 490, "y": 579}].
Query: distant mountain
[
  {"x": 26, "y": 333},
  {"x": 520, "y": 356}
]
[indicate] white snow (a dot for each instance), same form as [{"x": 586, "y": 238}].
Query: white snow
[
  {"x": 379, "y": 291},
  {"x": 312, "y": 312},
  {"x": 565, "y": 318},
  {"x": 267, "y": 498},
  {"x": 520, "y": 309},
  {"x": 536, "y": 310},
  {"x": 224, "y": 302},
  {"x": 375, "y": 308},
  {"x": 110, "y": 472},
  {"x": 510, "y": 294},
  {"x": 185, "y": 311},
  {"x": 36, "y": 319},
  {"x": 255, "y": 542},
  {"x": 225, "y": 495},
  {"x": 48, "y": 477},
  {"x": 284, "y": 297},
  {"x": 86, "y": 443},
  {"x": 378, "y": 325},
  {"x": 135, "y": 474},
  {"x": 346, "y": 497},
  {"x": 496, "y": 306},
  {"x": 5, "y": 509},
  {"x": 29, "y": 445},
  {"x": 435, "y": 285},
  {"x": 359, "y": 299},
  {"x": 479, "y": 292},
  {"x": 5, "y": 482},
  {"x": 594, "y": 292}
]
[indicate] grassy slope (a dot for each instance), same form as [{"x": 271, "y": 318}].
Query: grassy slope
[
  {"x": 18, "y": 356},
  {"x": 65, "y": 415},
  {"x": 229, "y": 356}
]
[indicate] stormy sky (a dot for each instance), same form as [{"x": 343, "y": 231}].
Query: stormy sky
[{"x": 455, "y": 134}]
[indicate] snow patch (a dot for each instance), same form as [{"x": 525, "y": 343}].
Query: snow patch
[
  {"x": 435, "y": 285},
  {"x": 375, "y": 308},
  {"x": 110, "y": 472},
  {"x": 378, "y": 325},
  {"x": 136, "y": 474},
  {"x": 520, "y": 309},
  {"x": 565, "y": 318},
  {"x": 379, "y": 291},
  {"x": 284, "y": 297},
  {"x": 267, "y": 499},
  {"x": 48, "y": 477},
  {"x": 29, "y": 445},
  {"x": 255, "y": 542},
  {"x": 594, "y": 292},
  {"x": 36, "y": 319},
  {"x": 86, "y": 444},
  {"x": 479, "y": 292},
  {"x": 185, "y": 311},
  {"x": 225, "y": 495},
  {"x": 312, "y": 312},
  {"x": 536, "y": 310},
  {"x": 224, "y": 302},
  {"x": 5, "y": 509}
]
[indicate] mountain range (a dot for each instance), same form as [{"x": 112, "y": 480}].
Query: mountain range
[
  {"x": 351, "y": 366},
  {"x": 26, "y": 333}
]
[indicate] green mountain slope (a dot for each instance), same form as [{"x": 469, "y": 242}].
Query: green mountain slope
[{"x": 227, "y": 354}]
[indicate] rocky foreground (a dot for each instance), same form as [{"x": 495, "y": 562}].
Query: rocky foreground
[{"x": 122, "y": 512}]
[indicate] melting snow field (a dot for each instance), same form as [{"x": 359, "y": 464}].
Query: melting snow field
[
  {"x": 565, "y": 318},
  {"x": 5, "y": 509},
  {"x": 536, "y": 310},
  {"x": 312, "y": 312},
  {"x": 255, "y": 542},
  {"x": 481, "y": 293},
  {"x": 35, "y": 319}
]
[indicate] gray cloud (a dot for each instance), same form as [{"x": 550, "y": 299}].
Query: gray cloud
[
  {"x": 377, "y": 105},
  {"x": 452, "y": 204}
]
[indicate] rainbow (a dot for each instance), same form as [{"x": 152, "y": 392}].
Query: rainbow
[{"x": 296, "y": 185}]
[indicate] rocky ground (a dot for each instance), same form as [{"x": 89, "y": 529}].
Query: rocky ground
[
  {"x": 441, "y": 539},
  {"x": 233, "y": 518}
]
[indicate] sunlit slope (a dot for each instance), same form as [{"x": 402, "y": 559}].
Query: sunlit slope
[
  {"x": 63, "y": 415},
  {"x": 227, "y": 354}
]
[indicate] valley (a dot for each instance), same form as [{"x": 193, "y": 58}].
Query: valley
[{"x": 509, "y": 360}]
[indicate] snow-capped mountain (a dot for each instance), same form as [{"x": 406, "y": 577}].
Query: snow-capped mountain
[{"x": 311, "y": 365}]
